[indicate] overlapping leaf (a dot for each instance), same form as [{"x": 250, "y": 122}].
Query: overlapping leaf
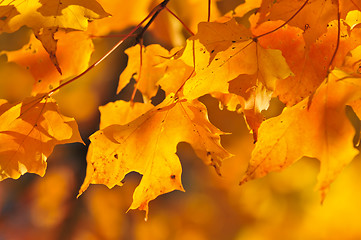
[
  {"x": 256, "y": 98},
  {"x": 28, "y": 133},
  {"x": 312, "y": 16},
  {"x": 221, "y": 52},
  {"x": 321, "y": 131},
  {"x": 176, "y": 74},
  {"x": 227, "y": 59},
  {"x": 309, "y": 65},
  {"x": 144, "y": 65},
  {"x": 46, "y": 17},
  {"x": 75, "y": 49},
  {"x": 148, "y": 144}
]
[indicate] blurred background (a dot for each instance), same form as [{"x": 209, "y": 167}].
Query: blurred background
[{"x": 280, "y": 206}]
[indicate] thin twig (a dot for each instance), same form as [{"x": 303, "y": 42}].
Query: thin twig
[
  {"x": 209, "y": 11},
  {"x": 180, "y": 20},
  {"x": 112, "y": 36},
  {"x": 282, "y": 25},
  {"x": 160, "y": 6}
]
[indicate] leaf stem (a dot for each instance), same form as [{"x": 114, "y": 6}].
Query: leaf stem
[
  {"x": 159, "y": 8},
  {"x": 209, "y": 11},
  {"x": 152, "y": 13},
  {"x": 282, "y": 25}
]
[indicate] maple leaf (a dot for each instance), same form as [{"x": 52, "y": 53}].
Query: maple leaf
[
  {"x": 46, "y": 17},
  {"x": 321, "y": 131},
  {"x": 145, "y": 69},
  {"x": 28, "y": 133},
  {"x": 75, "y": 49},
  {"x": 160, "y": 67},
  {"x": 310, "y": 66},
  {"x": 225, "y": 53},
  {"x": 220, "y": 56},
  {"x": 312, "y": 16},
  {"x": 148, "y": 145}
]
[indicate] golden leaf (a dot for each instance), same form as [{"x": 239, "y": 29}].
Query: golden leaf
[
  {"x": 321, "y": 131},
  {"x": 28, "y": 133},
  {"x": 148, "y": 145}
]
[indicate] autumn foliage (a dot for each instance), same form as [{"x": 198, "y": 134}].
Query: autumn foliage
[{"x": 304, "y": 55}]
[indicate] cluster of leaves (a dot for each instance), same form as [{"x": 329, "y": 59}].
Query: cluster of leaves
[{"x": 305, "y": 53}]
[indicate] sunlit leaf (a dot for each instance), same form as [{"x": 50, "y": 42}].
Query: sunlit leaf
[
  {"x": 148, "y": 145},
  {"x": 28, "y": 133},
  {"x": 320, "y": 130},
  {"x": 46, "y": 17},
  {"x": 145, "y": 67},
  {"x": 75, "y": 49},
  {"x": 219, "y": 59}
]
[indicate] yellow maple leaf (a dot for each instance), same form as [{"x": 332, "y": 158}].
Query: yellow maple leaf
[
  {"x": 321, "y": 131},
  {"x": 28, "y": 133},
  {"x": 46, "y": 17},
  {"x": 219, "y": 59},
  {"x": 148, "y": 145},
  {"x": 145, "y": 69}
]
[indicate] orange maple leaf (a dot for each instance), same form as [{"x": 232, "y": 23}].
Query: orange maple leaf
[
  {"x": 28, "y": 133},
  {"x": 312, "y": 16},
  {"x": 321, "y": 131},
  {"x": 309, "y": 65},
  {"x": 75, "y": 49}
]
